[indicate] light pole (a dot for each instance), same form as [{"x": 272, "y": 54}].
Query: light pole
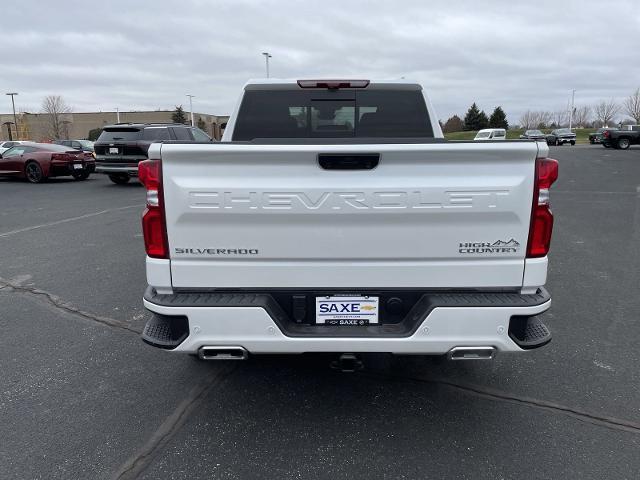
[
  {"x": 15, "y": 119},
  {"x": 191, "y": 107},
  {"x": 267, "y": 56},
  {"x": 573, "y": 95}
]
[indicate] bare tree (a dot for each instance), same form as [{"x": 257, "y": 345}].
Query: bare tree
[
  {"x": 525, "y": 120},
  {"x": 531, "y": 119},
  {"x": 545, "y": 119},
  {"x": 632, "y": 106},
  {"x": 541, "y": 119},
  {"x": 605, "y": 111},
  {"x": 560, "y": 118},
  {"x": 581, "y": 116},
  {"x": 55, "y": 109}
]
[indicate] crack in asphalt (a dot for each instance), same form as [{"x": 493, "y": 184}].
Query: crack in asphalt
[
  {"x": 58, "y": 303},
  {"x": 199, "y": 391},
  {"x": 139, "y": 462},
  {"x": 498, "y": 395}
]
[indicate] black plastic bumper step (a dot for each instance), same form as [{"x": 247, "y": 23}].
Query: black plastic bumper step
[
  {"x": 166, "y": 331},
  {"x": 529, "y": 332},
  {"x": 426, "y": 302}
]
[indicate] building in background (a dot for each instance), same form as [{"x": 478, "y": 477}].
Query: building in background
[{"x": 36, "y": 126}]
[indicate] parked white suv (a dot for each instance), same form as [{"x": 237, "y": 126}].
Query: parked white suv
[
  {"x": 491, "y": 134},
  {"x": 334, "y": 217},
  {"x": 6, "y": 145}
]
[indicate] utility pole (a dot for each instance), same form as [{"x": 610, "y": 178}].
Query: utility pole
[
  {"x": 191, "y": 107},
  {"x": 117, "y": 115},
  {"x": 573, "y": 95},
  {"x": 15, "y": 119},
  {"x": 267, "y": 56}
]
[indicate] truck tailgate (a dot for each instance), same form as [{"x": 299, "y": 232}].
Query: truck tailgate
[{"x": 440, "y": 215}]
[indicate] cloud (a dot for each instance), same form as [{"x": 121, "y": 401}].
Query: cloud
[{"x": 147, "y": 55}]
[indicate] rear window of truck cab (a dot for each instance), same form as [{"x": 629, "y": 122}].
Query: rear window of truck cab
[{"x": 323, "y": 113}]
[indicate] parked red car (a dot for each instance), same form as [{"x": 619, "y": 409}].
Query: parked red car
[{"x": 38, "y": 161}]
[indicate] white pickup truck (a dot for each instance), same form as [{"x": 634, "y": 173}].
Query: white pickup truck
[{"x": 334, "y": 217}]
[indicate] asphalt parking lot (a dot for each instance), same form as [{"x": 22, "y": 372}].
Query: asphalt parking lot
[{"x": 82, "y": 397}]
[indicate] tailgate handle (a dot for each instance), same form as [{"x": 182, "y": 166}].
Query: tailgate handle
[{"x": 348, "y": 161}]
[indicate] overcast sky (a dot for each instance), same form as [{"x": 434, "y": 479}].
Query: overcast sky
[{"x": 138, "y": 55}]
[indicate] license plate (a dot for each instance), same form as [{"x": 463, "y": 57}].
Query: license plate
[
  {"x": 77, "y": 166},
  {"x": 347, "y": 310},
  {"x": 113, "y": 150}
]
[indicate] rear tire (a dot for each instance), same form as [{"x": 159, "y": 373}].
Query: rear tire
[
  {"x": 623, "y": 143},
  {"x": 606, "y": 145},
  {"x": 573, "y": 142},
  {"x": 119, "y": 179},
  {"x": 33, "y": 172},
  {"x": 81, "y": 175}
]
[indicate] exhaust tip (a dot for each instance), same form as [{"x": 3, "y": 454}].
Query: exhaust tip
[
  {"x": 222, "y": 353},
  {"x": 472, "y": 353}
]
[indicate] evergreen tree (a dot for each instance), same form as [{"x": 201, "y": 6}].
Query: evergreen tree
[
  {"x": 178, "y": 116},
  {"x": 475, "y": 119},
  {"x": 454, "y": 124},
  {"x": 498, "y": 119},
  {"x": 484, "y": 120},
  {"x": 94, "y": 133}
]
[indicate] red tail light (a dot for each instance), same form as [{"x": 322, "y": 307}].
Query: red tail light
[
  {"x": 154, "y": 227},
  {"x": 606, "y": 134},
  {"x": 541, "y": 225}
]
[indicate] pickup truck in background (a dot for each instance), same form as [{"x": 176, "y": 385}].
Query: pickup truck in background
[
  {"x": 560, "y": 136},
  {"x": 334, "y": 217},
  {"x": 621, "y": 139},
  {"x": 596, "y": 137}
]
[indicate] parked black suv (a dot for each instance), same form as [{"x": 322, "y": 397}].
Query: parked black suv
[
  {"x": 84, "y": 145},
  {"x": 120, "y": 147}
]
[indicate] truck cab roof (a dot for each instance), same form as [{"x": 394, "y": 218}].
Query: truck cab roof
[
  {"x": 143, "y": 125},
  {"x": 331, "y": 84}
]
